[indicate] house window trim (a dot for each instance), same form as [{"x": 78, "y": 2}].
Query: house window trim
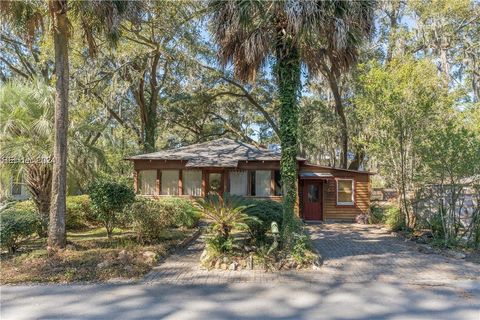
[{"x": 354, "y": 195}]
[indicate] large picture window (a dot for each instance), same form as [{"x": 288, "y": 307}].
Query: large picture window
[
  {"x": 238, "y": 183},
  {"x": 170, "y": 182},
  {"x": 192, "y": 182},
  {"x": 261, "y": 183},
  {"x": 148, "y": 182},
  {"x": 345, "y": 192}
]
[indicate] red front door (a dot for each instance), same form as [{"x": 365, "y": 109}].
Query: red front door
[{"x": 312, "y": 200}]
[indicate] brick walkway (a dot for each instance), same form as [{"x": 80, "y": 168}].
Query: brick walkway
[{"x": 352, "y": 253}]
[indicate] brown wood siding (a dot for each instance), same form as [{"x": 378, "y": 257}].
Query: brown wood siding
[{"x": 332, "y": 211}]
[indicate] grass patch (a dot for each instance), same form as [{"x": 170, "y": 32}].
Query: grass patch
[{"x": 89, "y": 256}]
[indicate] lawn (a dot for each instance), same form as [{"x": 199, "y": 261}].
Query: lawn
[{"x": 89, "y": 256}]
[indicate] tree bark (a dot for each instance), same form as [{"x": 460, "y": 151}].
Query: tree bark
[
  {"x": 288, "y": 79},
  {"x": 39, "y": 183},
  {"x": 332, "y": 80},
  {"x": 57, "y": 234}
]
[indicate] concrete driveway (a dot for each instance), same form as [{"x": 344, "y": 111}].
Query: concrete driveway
[{"x": 368, "y": 274}]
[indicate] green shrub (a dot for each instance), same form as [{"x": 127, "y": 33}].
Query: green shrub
[
  {"x": 150, "y": 217},
  {"x": 266, "y": 212},
  {"x": 376, "y": 214},
  {"x": 16, "y": 226},
  {"x": 394, "y": 219},
  {"x": 225, "y": 214},
  {"x": 182, "y": 212},
  {"x": 109, "y": 200},
  {"x": 80, "y": 214},
  {"x": 26, "y": 205},
  {"x": 302, "y": 249},
  {"x": 217, "y": 244},
  {"x": 30, "y": 207}
]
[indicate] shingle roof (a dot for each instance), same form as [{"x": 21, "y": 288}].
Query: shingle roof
[{"x": 217, "y": 153}]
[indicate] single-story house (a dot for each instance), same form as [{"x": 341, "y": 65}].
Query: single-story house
[{"x": 225, "y": 165}]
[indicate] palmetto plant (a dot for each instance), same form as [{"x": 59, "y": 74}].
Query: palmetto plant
[
  {"x": 293, "y": 32},
  {"x": 26, "y": 137},
  {"x": 225, "y": 214},
  {"x": 56, "y": 18}
]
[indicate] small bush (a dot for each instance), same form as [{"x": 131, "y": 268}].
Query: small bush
[
  {"x": 302, "y": 249},
  {"x": 266, "y": 212},
  {"x": 216, "y": 244},
  {"x": 376, "y": 214},
  {"x": 109, "y": 200},
  {"x": 16, "y": 226},
  {"x": 181, "y": 211},
  {"x": 26, "y": 205},
  {"x": 150, "y": 217},
  {"x": 30, "y": 207},
  {"x": 394, "y": 219},
  {"x": 80, "y": 214}
]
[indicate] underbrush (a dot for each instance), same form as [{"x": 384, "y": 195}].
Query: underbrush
[
  {"x": 89, "y": 256},
  {"x": 245, "y": 234}
]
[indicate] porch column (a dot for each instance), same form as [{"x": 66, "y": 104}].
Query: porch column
[
  {"x": 272, "y": 182},
  {"x": 180, "y": 182},
  {"x": 158, "y": 182},
  {"x": 135, "y": 181},
  {"x": 204, "y": 183}
]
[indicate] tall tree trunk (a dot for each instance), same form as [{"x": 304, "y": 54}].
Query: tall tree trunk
[
  {"x": 150, "y": 128},
  {"x": 39, "y": 183},
  {"x": 57, "y": 235},
  {"x": 357, "y": 161},
  {"x": 288, "y": 78},
  {"x": 332, "y": 80}
]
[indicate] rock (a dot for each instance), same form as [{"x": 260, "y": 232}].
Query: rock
[
  {"x": 455, "y": 254},
  {"x": 422, "y": 240},
  {"x": 426, "y": 249},
  {"x": 217, "y": 264},
  {"x": 122, "y": 256},
  {"x": 318, "y": 262},
  {"x": 225, "y": 259},
  {"x": 233, "y": 266},
  {"x": 104, "y": 264},
  {"x": 250, "y": 263},
  {"x": 205, "y": 256},
  {"x": 224, "y": 266},
  {"x": 243, "y": 263},
  {"x": 149, "y": 256}
]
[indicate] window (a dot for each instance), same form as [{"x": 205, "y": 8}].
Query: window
[
  {"x": 313, "y": 195},
  {"x": 148, "y": 182},
  {"x": 170, "y": 182},
  {"x": 345, "y": 192},
  {"x": 260, "y": 183},
  {"x": 192, "y": 182},
  {"x": 16, "y": 189},
  {"x": 278, "y": 183},
  {"x": 238, "y": 183},
  {"x": 215, "y": 182}
]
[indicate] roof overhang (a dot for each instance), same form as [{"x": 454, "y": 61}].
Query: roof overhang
[{"x": 315, "y": 175}]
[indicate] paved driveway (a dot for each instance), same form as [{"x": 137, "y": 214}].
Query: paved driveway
[
  {"x": 360, "y": 253},
  {"x": 368, "y": 274}
]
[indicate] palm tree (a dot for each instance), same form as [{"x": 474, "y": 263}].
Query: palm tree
[
  {"x": 26, "y": 133},
  {"x": 248, "y": 32},
  {"x": 93, "y": 17}
]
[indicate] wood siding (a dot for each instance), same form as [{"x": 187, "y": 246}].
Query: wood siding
[{"x": 332, "y": 211}]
